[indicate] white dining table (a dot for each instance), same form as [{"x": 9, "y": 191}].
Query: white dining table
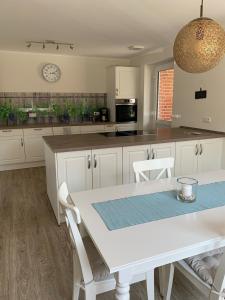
[{"x": 140, "y": 248}]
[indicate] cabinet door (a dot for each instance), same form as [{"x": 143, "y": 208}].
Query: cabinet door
[
  {"x": 162, "y": 151},
  {"x": 210, "y": 155},
  {"x": 75, "y": 169},
  {"x": 34, "y": 143},
  {"x": 34, "y": 148},
  {"x": 127, "y": 82},
  {"x": 130, "y": 155},
  {"x": 62, "y": 130},
  {"x": 186, "y": 158},
  {"x": 107, "y": 167},
  {"x": 12, "y": 150}
]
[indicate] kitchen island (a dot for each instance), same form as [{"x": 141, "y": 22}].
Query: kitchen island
[{"x": 90, "y": 161}]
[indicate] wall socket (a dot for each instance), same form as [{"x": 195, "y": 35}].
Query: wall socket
[{"x": 207, "y": 119}]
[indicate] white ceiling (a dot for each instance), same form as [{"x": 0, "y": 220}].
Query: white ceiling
[{"x": 99, "y": 27}]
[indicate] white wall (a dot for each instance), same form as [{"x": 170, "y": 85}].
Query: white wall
[
  {"x": 192, "y": 111},
  {"x": 147, "y": 63},
  {"x": 21, "y": 72}
]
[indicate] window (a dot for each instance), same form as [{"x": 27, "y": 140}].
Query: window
[{"x": 165, "y": 94}]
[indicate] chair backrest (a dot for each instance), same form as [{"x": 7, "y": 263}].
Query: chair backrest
[
  {"x": 163, "y": 164},
  {"x": 73, "y": 219}
]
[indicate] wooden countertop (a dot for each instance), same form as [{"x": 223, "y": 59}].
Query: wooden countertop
[{"x": 65, "y": 143}]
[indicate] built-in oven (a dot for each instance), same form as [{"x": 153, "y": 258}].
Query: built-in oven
[{"x": 126, "y": 110}]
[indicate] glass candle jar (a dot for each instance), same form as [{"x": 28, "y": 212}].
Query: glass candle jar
[{"x": 187, "y": 189}]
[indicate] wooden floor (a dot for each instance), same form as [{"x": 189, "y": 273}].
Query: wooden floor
[{"x": 35, "y": 254}]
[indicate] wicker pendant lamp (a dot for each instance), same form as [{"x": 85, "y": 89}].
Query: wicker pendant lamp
[{"x": 200, "y": 45}]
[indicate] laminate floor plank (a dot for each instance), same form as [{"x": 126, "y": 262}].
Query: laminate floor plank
[{"x": 35, "y": 253}]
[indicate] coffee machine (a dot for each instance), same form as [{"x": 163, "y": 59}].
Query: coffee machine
[{"x": 104, "y": 114}]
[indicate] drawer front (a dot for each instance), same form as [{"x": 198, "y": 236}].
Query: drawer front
[
  {"x": 75, "y": 129},
  {"x": 110, "y": 128},
  {"x": 62, "y": 130},
  {"x": 38, "y": 131},
  {"x": 127, "y": 127},
  {"x": 92, "y": 128},
  {"x": 11, "y": 132}
]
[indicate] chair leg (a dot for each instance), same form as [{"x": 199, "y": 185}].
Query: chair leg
[
  {"x": 76, "y": 278},
  {"x": 166, "y": 274},
  {"x": 150, "y": 284},
  {"x": 90, "y": 292}
]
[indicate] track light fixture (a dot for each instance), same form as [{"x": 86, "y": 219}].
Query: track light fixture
[{"x": 49, "y": 42}]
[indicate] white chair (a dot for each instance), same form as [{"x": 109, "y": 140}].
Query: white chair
[
  {"x": 163, "y": 164},
  {"x": 206, "y": 271},
  {"x": 89, "y": 271}
]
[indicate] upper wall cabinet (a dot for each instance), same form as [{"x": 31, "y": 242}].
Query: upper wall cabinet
[{"x": 123, "y": 82}]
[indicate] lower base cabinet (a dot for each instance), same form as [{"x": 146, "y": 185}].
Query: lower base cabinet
[
  {"x": 198, "y": 156},
  {"x": 145, "y": 152},
  {"x": 12, "y": 150},
  {"x": 107, "y": 167}
]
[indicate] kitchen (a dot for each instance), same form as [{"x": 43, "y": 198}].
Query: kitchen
[{"x": 81, "y": 110}]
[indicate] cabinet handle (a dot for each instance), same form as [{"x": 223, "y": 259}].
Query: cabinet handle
[
  {"x": 117, "y": 92},
  {"x": 38, "y": 129},
  {"x": 196, "y": 149},
  {"x": 7, "y": 130},
  {"x": 21, "y": 142},
  {"x": 201, "y": 149},
  {"x": 153, "y": 154},
  {"x": 148, "y": 155},
  {"x": 89, "y": 161},
  {"x": 95, "y": 161}
]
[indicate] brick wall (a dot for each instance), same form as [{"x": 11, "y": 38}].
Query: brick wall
[{"x": 165, "y": 96}]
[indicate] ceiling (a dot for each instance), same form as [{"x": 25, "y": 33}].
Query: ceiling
[{"x": 99, "y": 27}]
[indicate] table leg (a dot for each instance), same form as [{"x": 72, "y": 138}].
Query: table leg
[{"x": 123, "y": 285}]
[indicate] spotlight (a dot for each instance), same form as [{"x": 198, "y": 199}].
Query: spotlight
[
  {"x": 28, "y": 45},
  {"x": 71, "y": 47},
  {"x": 57, "y": 47}
]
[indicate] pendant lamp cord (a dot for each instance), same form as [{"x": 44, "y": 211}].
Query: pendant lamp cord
[{"x": 201, "y": 10}]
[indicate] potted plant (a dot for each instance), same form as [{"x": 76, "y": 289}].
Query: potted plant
[
  {"x": 21, "y": 116},
  {"x": 57, "y": 112},
  {"x": 73, "y": 111},
  {"x": 5, "y": 113},
  {"x": 42, "y": 115}
]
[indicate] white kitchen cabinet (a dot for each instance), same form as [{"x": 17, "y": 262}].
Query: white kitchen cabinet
[
  {"x": 144, "y": 152},
  {"x": 62, "y": 130},
  {"x": 110, "y": 127},
  {"x": 34, "y": 144},
  {"x": 130, "y": 155},
  {"x": 162, "y": 151},
  {"x": 198, "y": 156},
  {"x": 75, "y": 129},
  {"x": 210, "y": 155},
  {"x": 75, "y": 169},
  {"x": 126, "y": 82},
  {"x": 92, "y": 128},
  {"x": 107, "y": 167},
  {"x": 186, "y": 158},
  {"x": 11, "y": 146}
]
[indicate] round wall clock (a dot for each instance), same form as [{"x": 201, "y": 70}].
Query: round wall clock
[{"x": 51, "y": 72}]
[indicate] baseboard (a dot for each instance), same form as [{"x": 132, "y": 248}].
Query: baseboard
[{"x": 22, "y": 166}]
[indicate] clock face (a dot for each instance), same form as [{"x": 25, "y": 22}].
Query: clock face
[{"x": 51, "y": 72}]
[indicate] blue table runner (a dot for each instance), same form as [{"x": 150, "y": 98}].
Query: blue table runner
[{"x": 141, "y": 209}]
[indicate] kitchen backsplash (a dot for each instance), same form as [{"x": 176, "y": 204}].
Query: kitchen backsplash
[{"x": 31, "y": 100}]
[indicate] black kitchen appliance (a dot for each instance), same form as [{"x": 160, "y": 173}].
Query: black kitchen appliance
[
  {"x": 104, "y": 114},
  {"x": 126, "y": 110}
]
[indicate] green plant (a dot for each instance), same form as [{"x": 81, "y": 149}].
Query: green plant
[
  {"x": 73, "y": 110},
  {"x": 42, "y": 112},
  {"x": 5, "y": 110},
  {"x": 22, "y": 116},
  {"x": 57, "y": 110}
]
